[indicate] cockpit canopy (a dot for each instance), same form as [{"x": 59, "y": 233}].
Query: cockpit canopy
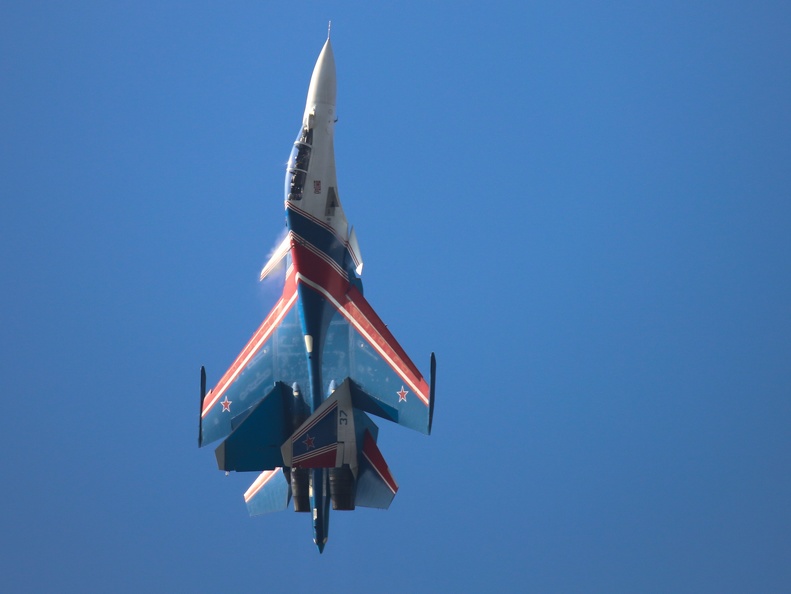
[{"x": 298, "y": 164}]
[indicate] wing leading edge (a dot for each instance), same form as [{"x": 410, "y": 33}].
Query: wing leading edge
[{"x": 386, "y": 382}]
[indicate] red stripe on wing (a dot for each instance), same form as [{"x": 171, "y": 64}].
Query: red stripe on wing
[
  {"x": 270, "y": 323},
  {"x": 365, "y": 316},
  {"x": 315, "y": 271}
]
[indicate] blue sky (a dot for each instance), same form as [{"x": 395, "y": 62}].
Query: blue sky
[{"x": 584, "y": 209}]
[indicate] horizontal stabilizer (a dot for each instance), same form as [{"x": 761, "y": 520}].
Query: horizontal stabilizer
[
  {"x": 257, "y": 434},
  {"x": 269, "y": 493},
  {"x": 376, "y": 486}
]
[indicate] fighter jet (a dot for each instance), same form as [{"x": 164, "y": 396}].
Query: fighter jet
[{"x": 295, "y": 403}]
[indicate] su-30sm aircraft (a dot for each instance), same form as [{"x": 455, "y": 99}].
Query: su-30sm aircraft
[{"x": 294, "y": 404}]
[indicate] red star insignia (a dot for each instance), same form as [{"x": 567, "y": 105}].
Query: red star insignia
[
  {"x": 226, "y": 404},
  {"x": 309, "y": 442},
  {"x": 402, "y": 394}
]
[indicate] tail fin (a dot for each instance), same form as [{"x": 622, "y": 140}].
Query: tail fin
[{"x": 326, "y": 439}]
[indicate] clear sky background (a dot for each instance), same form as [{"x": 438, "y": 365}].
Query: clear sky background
[{"x": 583, "y": 208}]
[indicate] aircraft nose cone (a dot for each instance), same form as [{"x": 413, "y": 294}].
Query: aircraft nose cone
[
  {"x": 322, "y": 82},
  {"x": 321, "y": 546}
]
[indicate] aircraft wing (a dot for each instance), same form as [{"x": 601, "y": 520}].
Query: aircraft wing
[
  {"x": 275, "y": 351},
  {"x": 358, "y": 345},
  {"x": 386, "y": 382}
]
